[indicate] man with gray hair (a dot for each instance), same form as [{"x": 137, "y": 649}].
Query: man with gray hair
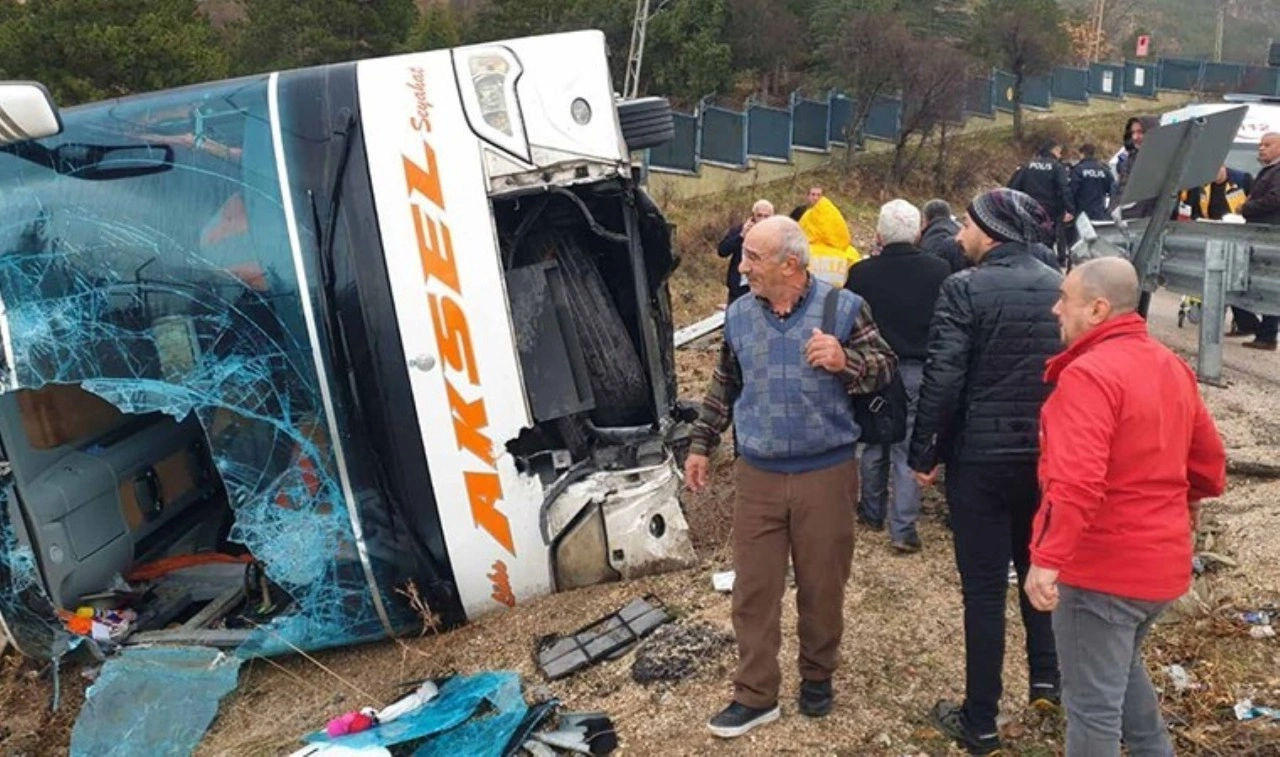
[
  {"x": 1113, "y": 539},
  {"x": 785, "y": 386},
  {"x": 901, "y": 285}
]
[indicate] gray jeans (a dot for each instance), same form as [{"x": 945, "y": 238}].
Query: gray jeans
[
  {"x": 881, "y": 459},
  {"x": 1105, "y": 687}
]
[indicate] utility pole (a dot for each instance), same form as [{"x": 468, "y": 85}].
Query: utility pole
[
  {"x": 631, "y": 87},
  {"x": 1097, "y": 31},
  {"x": 1217, "y": 40}
]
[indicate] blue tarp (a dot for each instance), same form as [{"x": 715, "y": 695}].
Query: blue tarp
[{"x": 151, "y": 701}]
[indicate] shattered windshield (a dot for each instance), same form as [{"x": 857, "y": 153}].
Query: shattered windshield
[{"x": 145, "y": 255}]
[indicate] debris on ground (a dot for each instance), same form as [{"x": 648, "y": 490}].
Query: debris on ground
[
  {"x": 1180, "y": 678},
  {"x": 147, "y": 696},
  {"x": 677, "y": 652},
  {"x": 1247, "y": 710},
  {"x": 590, "y": 733},
  {"x": 723, "y": 582},
  {"x": 606, "y": 639},
  {"x": 472, "y": 715}
]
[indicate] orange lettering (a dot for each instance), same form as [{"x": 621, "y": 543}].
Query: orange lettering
[
  {"x": 454, "y": 336},
  {"x": 484, "y": 492},
  {"x": 436, "y": 251},
  {"x": 501, "y": 581},
  {"x": 424, "y": 181},
  {"x": 468, "y": 420}
]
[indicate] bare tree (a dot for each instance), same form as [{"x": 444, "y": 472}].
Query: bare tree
[
  {"x": 1024, "y": 37},
  {"x": 933, "y": 77},
  {"x": 863, "y": 55}
]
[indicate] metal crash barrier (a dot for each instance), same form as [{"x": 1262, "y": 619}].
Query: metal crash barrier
[{"x": 1224, "y": 263}]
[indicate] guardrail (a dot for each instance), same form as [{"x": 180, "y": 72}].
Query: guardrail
[{"x": 1222, "y": 263}]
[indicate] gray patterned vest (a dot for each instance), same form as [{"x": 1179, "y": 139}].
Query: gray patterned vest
[{"x": 790, "y": 417}]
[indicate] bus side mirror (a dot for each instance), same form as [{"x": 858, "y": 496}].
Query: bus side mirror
[{"x": 27, "y": 112}]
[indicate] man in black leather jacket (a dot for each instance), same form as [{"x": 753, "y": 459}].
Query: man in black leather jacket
[{"x": 992, "y": 331}]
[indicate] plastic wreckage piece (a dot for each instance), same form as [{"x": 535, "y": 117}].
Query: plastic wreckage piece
[
  {"x": 1245, "y": 709},
  {"x": 472, "y": 715},
  {"x": 338, "y": 750},
  {"x": 590, "y": 733},
  {"x": 607, "y": 638},
  {"x": 150, "y": 696},
  {"x": 533, "y": 720}
]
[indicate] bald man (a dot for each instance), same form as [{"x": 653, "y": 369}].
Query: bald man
[
  {"x": 731, "y": 248},
  {"x": 1128, "y": 451},
  {"x": 785, "y": 386},
  {"x": 1263, "y": 206}
]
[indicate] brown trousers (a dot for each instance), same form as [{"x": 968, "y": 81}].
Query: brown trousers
[{"x": 809, "y": 516}]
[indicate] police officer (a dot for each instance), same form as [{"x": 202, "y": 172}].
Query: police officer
[
  {"x": 1047, "y": 180},
  {"x": 1091, "y": 184}
]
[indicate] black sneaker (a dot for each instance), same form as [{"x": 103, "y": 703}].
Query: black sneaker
[
  {"x": 816, "y": 698},
  {"x": 869, "y": 522},
  {"x": 909, "y": 544},
  {"x": 1046, "y": 697},
  {"x": 737, "y": 719},
  {"x": 950, "y": 720}
]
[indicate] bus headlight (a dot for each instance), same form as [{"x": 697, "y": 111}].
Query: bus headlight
[{"x": 489, "y": 96}]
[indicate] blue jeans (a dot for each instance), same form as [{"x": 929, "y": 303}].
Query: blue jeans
[{"x": 879, "y": 460}]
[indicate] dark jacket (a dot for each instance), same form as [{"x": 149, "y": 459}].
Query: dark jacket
[
  {"x": 992, "y": 331},
  {"x": 1047, "y": 180},
  {"x": 1263, "y": 205},
  {"x": 731, "y": 248},
  {"x": 939, "y": 238},
  {"x": 1091, "y": 185},
  {"x": 901, "y": 286}
]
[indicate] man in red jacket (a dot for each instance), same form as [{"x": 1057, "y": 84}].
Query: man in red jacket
[{"x": 1128, "y": 450}]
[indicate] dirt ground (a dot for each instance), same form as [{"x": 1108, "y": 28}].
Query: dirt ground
[{"x": 903, "y": 646}]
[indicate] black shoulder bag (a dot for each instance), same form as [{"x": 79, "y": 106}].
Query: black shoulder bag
[{"x": 882, "y": 414}]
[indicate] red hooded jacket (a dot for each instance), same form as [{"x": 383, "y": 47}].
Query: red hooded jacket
[{"x": 1126, "y": 445}]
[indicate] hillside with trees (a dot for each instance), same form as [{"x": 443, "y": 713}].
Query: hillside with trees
[{"x": 93, "y": 49}]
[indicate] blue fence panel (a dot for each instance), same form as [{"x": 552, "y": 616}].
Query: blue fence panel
[
  {"x": 1181, "y": 75},
  {"x": 885, "y": 119},
  {"x": 841, "y": 113},
  {"x": 979, "y": 96},
  {"x": 1261, "y": 80},
  {"x": 1106, "y": 80},
  {"x": 810, "y": 120},
  {"x": 1222, "y": 77},
  {"x": 1071, "y": 84},
  {"x": 1142, "y": 79},
  {"x": 769, "y": 132},
  {"x": 681, "y": 153},
  {"x": 1004, "y": 91},
  {"x": 1037, "y": 92},
  {"x": 724, "y": 136}
]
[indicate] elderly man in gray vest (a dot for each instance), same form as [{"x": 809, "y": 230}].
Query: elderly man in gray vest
[{"x": 785, "y": 387}]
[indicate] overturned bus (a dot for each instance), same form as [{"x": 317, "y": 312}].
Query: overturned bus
[{"x": 301, "y": 359}]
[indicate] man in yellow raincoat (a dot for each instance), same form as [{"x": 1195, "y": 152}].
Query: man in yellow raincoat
[{"x": 831, "y": 252}]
